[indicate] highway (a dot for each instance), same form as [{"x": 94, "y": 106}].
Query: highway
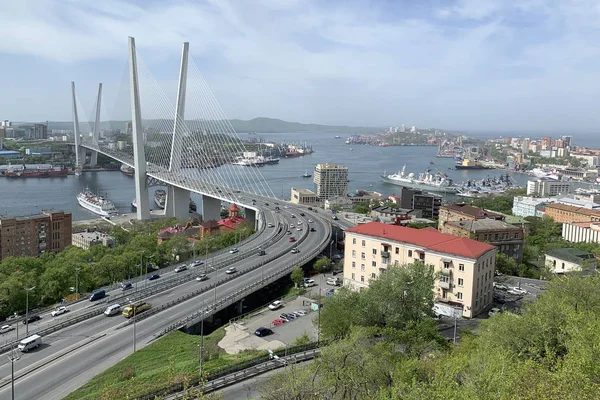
[{"x": 70, "y": 357}]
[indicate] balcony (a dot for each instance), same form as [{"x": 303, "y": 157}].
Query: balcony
[
  {"x": 444, "y": 284},
  {"x": 385, "y": 254},
  {"x": 446, "y": 271}
]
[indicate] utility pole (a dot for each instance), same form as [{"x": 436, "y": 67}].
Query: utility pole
[
  {"x": 202, "y": 337},
  {"x": 13, "y": 356},
  {"x": 77, "y": 282},
  {"x": 27, "y": 290}
]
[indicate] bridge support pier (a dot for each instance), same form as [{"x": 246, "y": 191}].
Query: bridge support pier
[
  {"x": 211, "y": 208},
  {"x": 94, "y": 159},
  {"x": 240, "y": 307},
  {"x": 178, "y": 203},
  {"x": 251, "y": 216}
]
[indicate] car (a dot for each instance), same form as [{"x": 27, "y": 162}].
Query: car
[
  {"x": 261, "y": 252},
  {"x": 298, "y": 229},
  {"x": 500, "y": 286},
  {"x": 295, "y": 250},
  {"x": 293, "y": 216},
  {"x": 301, "y": 313},
  {"x": 126, "y": 286},
  {"x": 289, "y": 232},
  {"x": 291, "y": 316},
  {"x": 6, "y": 328},
  {"x": 310, "y": 221},
  {"x": 302, "y": 214},
  {"x": 335, "y": 218},
  {"x": 181, "y": 268},
  {"x": 33, "y": 318},
  {"x": 285, "y": 207},
  {"x": 262, "y": 331},
  {"x": 499, "y": 299},
  {"x": 299, "y": 222},
  {"x": 59, "y": 311},
  {"x": 494, "y": 311},
  {"x": 292, "y": 239},
  {"x": 234, "y": 250},
  {"x": 153, "y": 277},
  {"x": 202, "y": 277},
  {"x": 231, "y": 270},
  {"x": 518, "y": 290},
  {"x": 11, "y": 317},
  {"x": 313, "y": 230},
  {"x": 292, "y": 226},
  {"x": 309, "y": 208},
  {"x": 284, "y": 317},
  {"x": 514, "y": 292},
  {"x": 278, "y": 321},
  {"x": 275, "y": 305},
  {"x": 197, "y": 264},
  {"x": 270, "y": 225},
  {"x": 309, "y": 283}
]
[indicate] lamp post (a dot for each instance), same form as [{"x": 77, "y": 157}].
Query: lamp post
[
  {"x": 13, "y": 356},
  {"x": 202, "y": 337},
  {"x": 77, "y": 282},
  {"x": 134, "y": 320},
  {"x": 27, "y": 290}
]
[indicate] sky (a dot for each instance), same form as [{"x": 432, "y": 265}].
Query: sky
[{"x": 501, "y": 65}]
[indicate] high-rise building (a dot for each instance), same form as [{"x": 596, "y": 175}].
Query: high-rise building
[
  {"x": 36, "y": 132},
  {"x": 543, "y": 187},
  {"x": 414, "y": 199},
  {"x": 402, "y": 128},
  {"x": 568, "y": 140},
  {"x": 330, "y": 180},
  {"x": 35, "y": 235},
  {"x": 6, "y": 123},
  {"x": 128, "y": 128}
]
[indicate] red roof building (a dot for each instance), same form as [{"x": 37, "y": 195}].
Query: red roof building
[{"x": 233, "y": 219}]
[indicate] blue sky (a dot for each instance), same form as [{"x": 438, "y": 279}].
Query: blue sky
[{"x": 529, "y": 65}]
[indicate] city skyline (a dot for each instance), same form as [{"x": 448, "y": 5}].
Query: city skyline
[{"x": 464, "y": 65}]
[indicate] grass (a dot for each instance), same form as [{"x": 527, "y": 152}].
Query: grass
[{"x": 171, "y": 359}]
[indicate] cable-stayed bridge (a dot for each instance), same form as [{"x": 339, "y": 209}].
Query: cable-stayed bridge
[{"x": 188, "y": 146}]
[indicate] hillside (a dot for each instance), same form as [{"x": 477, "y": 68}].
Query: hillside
[{"x": 259, "y": 125}]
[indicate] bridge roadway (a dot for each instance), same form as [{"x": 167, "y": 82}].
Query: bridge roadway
[{"x": 98, "y": 343}]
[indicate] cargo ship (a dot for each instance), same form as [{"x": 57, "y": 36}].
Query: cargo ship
[
  {"x": 471, "y": 164},
  {"x": 96, "y": 204},
  {"x": 37, "y": 173},
  {"x": 127, "y": 170}
]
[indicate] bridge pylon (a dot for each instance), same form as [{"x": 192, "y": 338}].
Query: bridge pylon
[{"x": 96, "y": 132}]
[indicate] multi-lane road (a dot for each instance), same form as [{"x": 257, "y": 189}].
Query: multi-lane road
[{"x": 70, "y": 357}]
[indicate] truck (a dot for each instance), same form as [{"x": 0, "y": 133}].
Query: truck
[
  {"x": 97, "y": 295},
  {"x": 135, "y": 309},
  {"x": 29, "y": 343}
]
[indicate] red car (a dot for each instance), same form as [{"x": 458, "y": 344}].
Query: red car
[
  {"x": 292, "y": 239},
  {"x": 278, "y": 321}
]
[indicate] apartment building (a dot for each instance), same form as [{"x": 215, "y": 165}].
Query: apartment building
[
  {"x": 34, "y": 235},
  {"x": 567, "y": 214},
  {"x": 466, "y": 267},
  {"x": 331, "y": 180},
  {"x": 85, "y": 240},
  {"x": 428, "y": 203},
  {"x": 527, "y": 206},
  {"x": 578, "y": 232},
  {"x": 507, "y": 237},
  {"x": 543, "y": 187},
  {"x": 464, "y": 212}
]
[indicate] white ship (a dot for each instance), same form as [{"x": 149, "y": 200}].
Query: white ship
[
  {"x": 540, "y": 173},
  {"x": 436, "y": 182},
  {"x": 96, "y": 204}
]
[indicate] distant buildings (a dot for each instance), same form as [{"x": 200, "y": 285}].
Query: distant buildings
[
  {"x": 304, "y": 196},
  {"x": 465, "y": 266},
  {"x": 428, "y": 203},
  {"x": 569, "y": 214},
  {"x": 464, "y": 212},
  {"x": 565, "y": 260},
  {"x": 330, "y": 180},
  {"x": 528, "y": 206},
  {"x": 10, "y": 154},
  {"x": 577, "y": 232},
  {"x": 85, "y": 240},
  {"x": 543, "y": 187},
  {"x": 35, "y": 235}
]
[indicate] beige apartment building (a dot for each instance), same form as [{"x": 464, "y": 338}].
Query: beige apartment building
[
  {"x": 465, "y": 266},
  {"x": 331, "y": 180}
]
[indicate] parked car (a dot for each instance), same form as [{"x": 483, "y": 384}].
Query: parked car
[
  {"x": 6, "y": 328},
  {"x": 291, "y": 316},
  {"x": 202, "y": 277},
  {"x": 33, "y": 318},
  {"x": 59, "y": 311},
  {"x": 309, "y": 283},
  {"x": 292, "y": 226},
  {"x": 500, "y": 286},
  {"x": 153, "y": 277},
  {"x": 277, "y": 321},
  {"x": 310, "y": 221},
  {"x": 517, "y": 291},
  {"x": 284, "y": 317},
  {"x": 275, "y": 305},
  {"x": 234, "y": 250},
  {"x": 181, "y": 268},
  {"x": 494, "y": 311},
  {"x": 262, "y": 331},
  {"x": 293, "y": 216},
  {"x": 289, "y": 232},
  {"x": 295, "y": 250},
  {"x": 301, "y": 312},
  {"x": 231, "y": 270},
  {"x": 292, "y": 239}
]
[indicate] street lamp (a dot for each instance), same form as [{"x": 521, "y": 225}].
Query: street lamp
[
  {"x": 202, "y": 336},
  {"x": 13, "y": 356},
  {"x": 134, "y": 319},
  {"x": 27, "y": 290},
  {"x": 77, "y": 282}
]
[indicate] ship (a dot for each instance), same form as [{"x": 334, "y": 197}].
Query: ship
[
  {"x": 338, "y": 137},
  {"x": 489, "y": 186},
  {"x": 540, "y": 173},
  {"x": 471, "y": 164},
  {"x": 37, "y": 173},
  {"x": 127, "y": 170},
  {"x": 96, "y": 204},
  {"x": 432, "y": 182},
  {"x": 306, "y": 174}
]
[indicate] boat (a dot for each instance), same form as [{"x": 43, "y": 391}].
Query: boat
[
  {"x": 306, "y": 174},
  {"x": 541, "y": 173},
  {"x": 160, "y": 197},
  {"x": 470, "y": 164},
  {"x": 127, "y": 170},
  {"x": 96, "y": 204},
  {"x": 272, "y": 160},
  {"x": 37, "y": 173},
  {"x": 338, "y": 137},
  {"x": 432, "y": 182},
  {"x": 488, "y": 186},
  {"x": 78, "y": 170}
]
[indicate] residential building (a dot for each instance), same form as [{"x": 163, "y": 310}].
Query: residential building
[
  {"x": 578, "y": 232},
  {"x": 464, "y": 212},
  {"x": 37, "y": 131},
  {"x": 35, "y": 235},
  {"x": 465, "y": 266},
  {"x": 564, "y": 260},
  {"x": 304, "y": 196},
  {"x": 331, "y": 180},
  {"x": 394, "y": 214},
  {"x": 543, "y": 187},
  {"x": 566, "y": 213},
  {"x": 526, "y": 206},
  {"x": 366, "y": 197},
  {"x": 85, "y": 240},
  {"x": 343, "y": 202},
  {"x": 415, "y": 199},
  {"x": 576, "y": 201},
  {"x": 508, "y": 238}
]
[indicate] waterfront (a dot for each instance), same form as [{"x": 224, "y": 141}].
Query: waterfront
[{"x": 365, "y": 164}]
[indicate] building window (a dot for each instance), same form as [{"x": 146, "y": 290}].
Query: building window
[
  {"x": 373, "y": 275},
  {"x": 362, "y": 255},
  {"x": 353, "y": 276},
  {"x": 362, "y": 278},
  {"x": 444, "y": 294},
  {"x": 353, "y": 240},
  {"x": 363, "y": 243},
  {"x": 374, "y": 263},
  {"x": 410, "y": 253},
  {"x": 362, "y": 267},
  {"x": 485, "y": 236},
  {"x": 460, "y": 282},
  {"x": 353, "y": 265},
  {"x": 374, "y": 252},
  {"x": 461, "y": 267},
  {"x": 397, "y": 250},
  {"x": 495, "y": 236},
  {"x": 563, "y": 265},
  {"x": 446, "y": 265},
  {"x": 459, "y": 295},
  {"x": 353, "y": 253},
  {"x": 516, "y": 235}
]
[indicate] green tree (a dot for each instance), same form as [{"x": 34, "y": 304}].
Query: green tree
[
  {"x": 361, "y": 208},
  {"x": 323, "y": 264},
  {"x": 505, "y": 264},
  {"x": 339, "y": 313},
  {"x": 297, "y": 276}
]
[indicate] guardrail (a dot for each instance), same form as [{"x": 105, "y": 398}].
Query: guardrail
[{"x": 237, "y": 372}]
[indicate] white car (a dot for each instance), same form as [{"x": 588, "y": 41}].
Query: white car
[
  {"x": 298, "y": 229},
  {"x": 301, "y": 312},
  {"x": 299, "y": 222},
  {"x": 499, "y": 286},
  {"x": 181, "y": 268},
  {"x": 275, "y": 305},
  {"x": 59, "y": 311},
  {"x": 494, "y": 311},
  {"x": 197, "y": 264},
  {"x": 295, "y": 250},
  {"x": 234, "y": 250},
  {"x": 310, "y": 221},
  {"x": 6, "y": 328},
  {"x": 309, "y": 283},
  {"x": 518, "y": 290},
  {"x": 292, "y": 226},
  {"x": 230, "y": 271},
  {"x": 270, "y": 225}
]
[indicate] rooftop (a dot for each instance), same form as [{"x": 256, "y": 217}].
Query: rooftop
[
  {"x": 571, "y": 255},
  {"x": 534, "y": 200},
  {"x": 574, "y": 209},
  {"x": 472, "y": 211},
  {"x": 428, "y": 238},
  {"x": 306, "y": 192},
  {"x": 480, "y": 225}
]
